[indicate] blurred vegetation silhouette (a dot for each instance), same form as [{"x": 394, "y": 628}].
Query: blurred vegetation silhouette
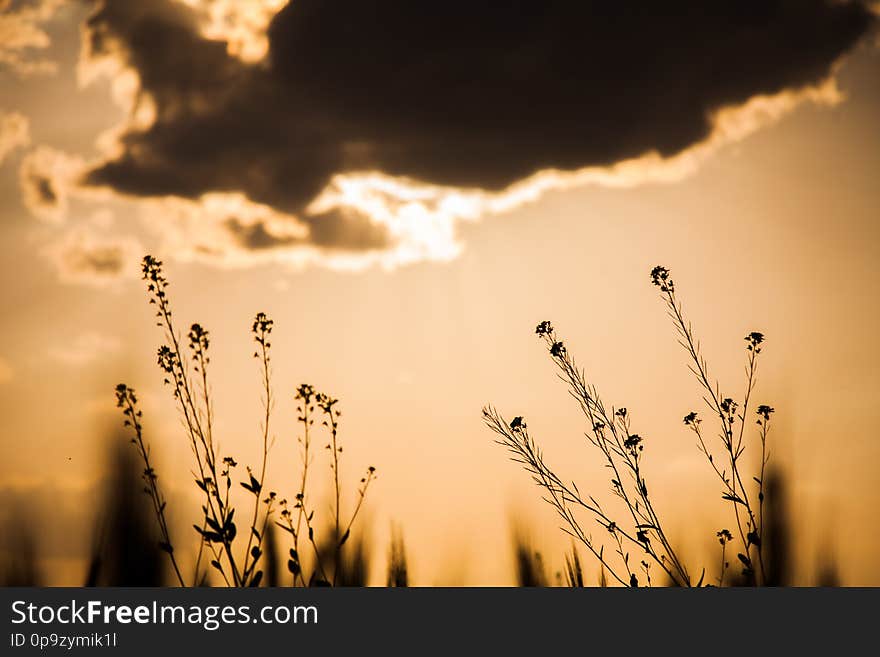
[
  {"x": 19, "y": 565},
  {"x": 125, "y": 550},
  {"x": 529, "y": 564},
  {"x": 398, "y": 575},
  {"x": 125, "y": 545}
]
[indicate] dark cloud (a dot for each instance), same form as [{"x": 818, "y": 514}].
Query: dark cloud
[
  {"x": 348, "y": 229},
  {"x": 44, "y": 176},
  {"x": 83, "y": 257},
  {"x": 257, "y": 236},
  {"x": 342, "y": 229},
  {"x": 100, "y": 260},
  {"x": 45, "y": 191},
  {"x": 459, "y": 92},
  {"x": 42, "y": 190}
]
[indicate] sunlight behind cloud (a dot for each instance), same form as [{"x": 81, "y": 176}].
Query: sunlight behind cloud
[
  {"x": 423, "y": 218},
  {"x": 227, "y": 229},
  {"x": 242, "y": 25},
  {"x": 217, "y": 184}
]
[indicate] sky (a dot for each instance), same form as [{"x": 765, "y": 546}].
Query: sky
[{"x": 407, "y": 191}]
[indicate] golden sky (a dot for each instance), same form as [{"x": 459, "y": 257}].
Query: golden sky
[{"x": 417, "y": 306}]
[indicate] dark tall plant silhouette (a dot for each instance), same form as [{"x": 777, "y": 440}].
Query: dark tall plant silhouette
[
  {"x": 638, "y": 546},
  {"x": 125, "y": 550},
  {"x": 19, "y": 565},
  {"x": 398, "y": 571},
  {"x": 238, "y": 557},
  {"x": 528, "y": 562}
]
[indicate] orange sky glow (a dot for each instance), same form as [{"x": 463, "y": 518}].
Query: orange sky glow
[{"x": 769, "y": 223}]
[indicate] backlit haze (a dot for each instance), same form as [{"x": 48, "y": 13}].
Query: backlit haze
[{"x": 407, "y": 196}]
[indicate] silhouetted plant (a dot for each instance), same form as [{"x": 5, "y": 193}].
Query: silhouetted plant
[
  {"x": 529, "y": 564},
  {"x": 574, "y": 574},
  {"x": 827, "y": 573},
  {"x": 350, "y": 563},
  {"x": 19, "y": 565},
  {"x": 297, "y": 519},
  {"x": 186, "y": 373},
  {"x": 125, "y": 550},
  {"x": 638, "y": 541},
  {"x": 270, "y": 549},
  {"x": 776, "y": 536},
  {"x": 191, "y": 391},
  {"x": 398, "y": 575},
  {"x": 127, "y": 401}
]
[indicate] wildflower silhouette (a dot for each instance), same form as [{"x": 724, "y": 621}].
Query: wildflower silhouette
[
  {"x": 641, "y": 532},
  {"x": 186, "y": 373}
]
